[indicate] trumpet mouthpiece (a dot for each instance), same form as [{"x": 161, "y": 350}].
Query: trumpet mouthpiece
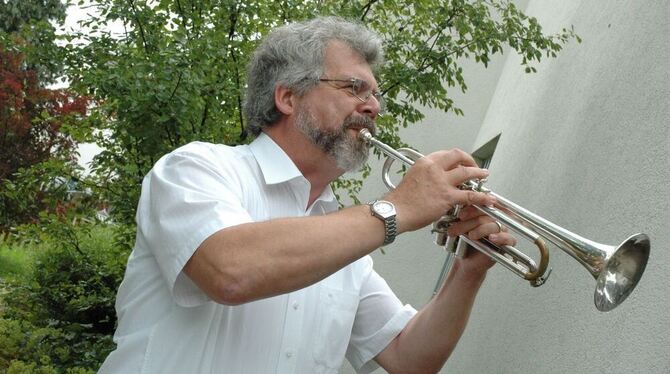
[{"x": 365, "y": 135}]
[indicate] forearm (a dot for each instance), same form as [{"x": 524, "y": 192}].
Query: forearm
[
  {"x": 429, "y": 338},
  {"x": 257, "y": 260}
]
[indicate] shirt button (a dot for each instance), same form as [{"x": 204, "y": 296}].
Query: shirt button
[
  {"x": 289, "y": 354},
  {"x": 295, "y": 305}
]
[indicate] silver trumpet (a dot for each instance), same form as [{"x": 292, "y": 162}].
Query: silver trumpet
[{"x": 616, "y": 269}]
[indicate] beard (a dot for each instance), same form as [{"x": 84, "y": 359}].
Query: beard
[{"x": 350, "y": 154}]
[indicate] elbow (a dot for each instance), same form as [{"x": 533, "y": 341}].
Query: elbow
[
  {"x": 231, "y": 293},
  {"x": 222, "y": 288},
  {"x": 223, "y": 284},
  {"x": 230, "y": 297}
]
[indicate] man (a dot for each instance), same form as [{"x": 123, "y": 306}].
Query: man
[{"x": 243, "y": 264}]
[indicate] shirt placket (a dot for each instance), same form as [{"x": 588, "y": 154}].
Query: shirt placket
[{"x": 290, "y": 345}]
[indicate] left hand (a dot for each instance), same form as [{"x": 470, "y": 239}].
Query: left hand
[{"x": 477, "y": 225}]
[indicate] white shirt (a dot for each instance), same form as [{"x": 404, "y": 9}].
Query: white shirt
[{"x": 168, "y": 325}]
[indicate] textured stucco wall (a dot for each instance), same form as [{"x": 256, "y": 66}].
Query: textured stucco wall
[{"x": 585, "y": 143}]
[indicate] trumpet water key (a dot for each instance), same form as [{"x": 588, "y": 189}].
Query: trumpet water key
[{"x": 616, "y": 269}]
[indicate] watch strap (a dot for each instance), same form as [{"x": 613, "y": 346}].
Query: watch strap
[
  {"x": 390, "y": 227},
  {"x": 390, "y": 230}
]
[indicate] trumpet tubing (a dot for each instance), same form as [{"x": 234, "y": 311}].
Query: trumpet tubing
[{"x": 616, "y": 269}]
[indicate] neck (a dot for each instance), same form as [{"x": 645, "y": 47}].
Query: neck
[{"x": 317, "y": 167}]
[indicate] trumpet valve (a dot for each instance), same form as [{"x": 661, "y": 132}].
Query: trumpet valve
[
  {"x": 439, "y": 230},
  {"x": 476, "y": 185}
]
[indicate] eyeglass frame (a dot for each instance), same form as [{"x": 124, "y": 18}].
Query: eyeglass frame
[{"x": 352, "y": 90}]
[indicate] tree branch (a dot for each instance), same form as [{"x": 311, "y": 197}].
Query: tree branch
[
  {"x": 182, "y": 16},
  {"x": 238, "y": 84},
  {"x": 139, "y": 25},
  {"x": 366, "y": 9},
  {"x": 176, "y": 86},
  {"x": 205, "y": 114},
  {"x": 422, "y": 69}
]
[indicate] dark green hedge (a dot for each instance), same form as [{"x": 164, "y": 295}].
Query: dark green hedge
[{"x": 59, "y": 318}]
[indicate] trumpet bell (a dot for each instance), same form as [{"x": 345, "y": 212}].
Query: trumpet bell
[{"x": 621, "y": 272}]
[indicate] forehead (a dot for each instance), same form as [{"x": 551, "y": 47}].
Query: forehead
[{"x": 340, "y": 61}]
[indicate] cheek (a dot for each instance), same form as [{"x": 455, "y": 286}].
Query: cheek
[
  {"x": 330, "y": 111},
  {"x": 332, "y": 119}
]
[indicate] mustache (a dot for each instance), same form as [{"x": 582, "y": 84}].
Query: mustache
[{"x": 360, "y": 122}]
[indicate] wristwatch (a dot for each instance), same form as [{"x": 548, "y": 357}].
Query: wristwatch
[{"x": 385, "y": 211}]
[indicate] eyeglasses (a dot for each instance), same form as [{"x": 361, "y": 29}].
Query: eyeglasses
[{"x": 358, "y": 88}]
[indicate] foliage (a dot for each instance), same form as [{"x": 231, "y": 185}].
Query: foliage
[
  {"x": 15, "y": 262},
  {"x": 32, "y": 116},
  {"x": 36, "y": 122},
  {"x": 62, "y": 317},
  {"x": 14, "y": 14},
  {"x": 176, "y": 74},
  {"x": 36, "y": 194},
  {"x": 56, "y": 306},
  {"x": 427, "y": 41}
]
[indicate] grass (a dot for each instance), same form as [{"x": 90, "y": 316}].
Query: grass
[
  {"x": 17, "y": 258},
  {"x": 15, "y": 261}
]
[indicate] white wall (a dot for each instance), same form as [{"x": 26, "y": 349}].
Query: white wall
[{"x": 585, "y": 142}]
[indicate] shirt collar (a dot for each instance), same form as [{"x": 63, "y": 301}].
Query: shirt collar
[{"x": 276, "y": 166}]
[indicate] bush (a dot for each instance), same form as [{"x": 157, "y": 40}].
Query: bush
[{"x": 60, "y": 317}]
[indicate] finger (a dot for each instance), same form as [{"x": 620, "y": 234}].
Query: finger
[
  {"x": 449, "y": 159},
  {"x": 461, "y": 174},
  {"x": 503, "y": 238},
  {"x": 469, "y": 212},
  {"x": 484, "y": 230},
  {"x": 467, "y": 197},
  {"x": 462, "y": 227}
]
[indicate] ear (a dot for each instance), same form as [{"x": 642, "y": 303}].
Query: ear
[{"x": 285, "y": 100}]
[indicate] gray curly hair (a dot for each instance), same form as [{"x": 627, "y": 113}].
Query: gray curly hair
[{"x": 293, "y": 56}]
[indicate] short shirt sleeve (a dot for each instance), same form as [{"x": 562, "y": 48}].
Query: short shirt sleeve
[
  {"x": 379, "y": 319},
  {"x": 188, "y": 196}
]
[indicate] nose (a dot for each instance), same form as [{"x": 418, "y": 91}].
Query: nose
[{"x": 371, "y": 107}]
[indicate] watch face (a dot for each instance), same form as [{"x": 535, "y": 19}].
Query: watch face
[{"x": 383, "y": 207}]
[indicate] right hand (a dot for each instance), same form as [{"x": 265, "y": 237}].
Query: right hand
[{"x": 430, "y": 188}]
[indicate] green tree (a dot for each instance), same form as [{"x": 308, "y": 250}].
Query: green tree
[
  {"x": 37, "y": 149},
  {"x": 14, "y": 14},
  {"x": 28, "y": 27},
  {"x": 177, "y": 72}
]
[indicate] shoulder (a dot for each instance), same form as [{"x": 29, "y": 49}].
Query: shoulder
[
  {"x": 218, "y": 157},
  {"x": 211, "y": 151},
  {"x": 201, "y": 165}
]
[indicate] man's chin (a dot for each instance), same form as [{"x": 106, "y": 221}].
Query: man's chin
[{"x": 353, "y": 166}]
